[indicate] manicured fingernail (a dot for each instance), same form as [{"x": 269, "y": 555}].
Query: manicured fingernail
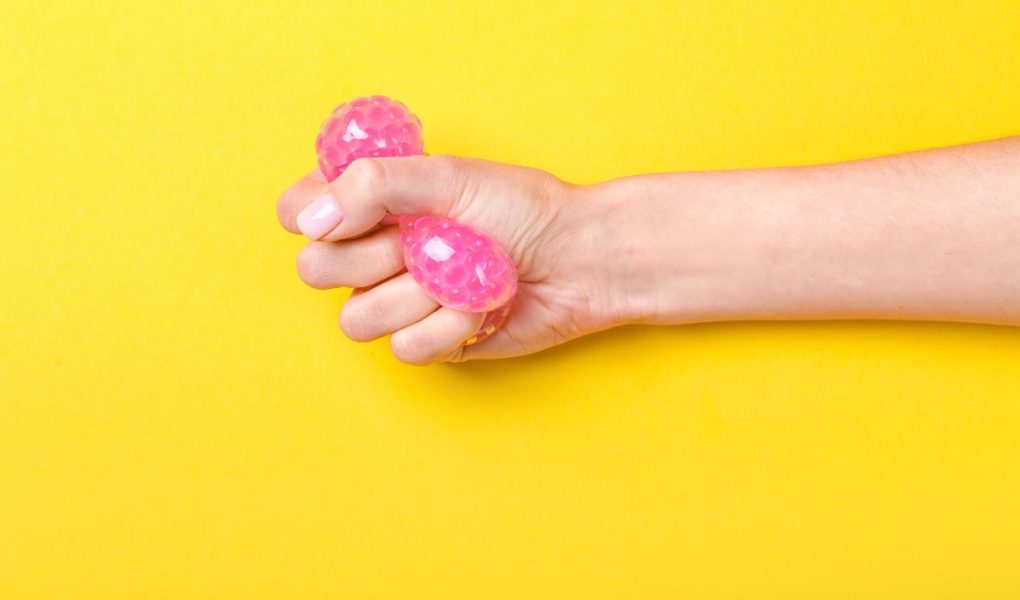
[{"x": 319, "y": 217}]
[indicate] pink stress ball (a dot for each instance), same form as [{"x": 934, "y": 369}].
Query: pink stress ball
[
  {"x": 372, "y": 126},
  {"x": 458, "y": 266}
]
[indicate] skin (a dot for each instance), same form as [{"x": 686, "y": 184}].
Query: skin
[{"x": 931, "y": 235}]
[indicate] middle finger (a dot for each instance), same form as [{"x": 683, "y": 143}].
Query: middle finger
[{"x": 359, "y": 262}]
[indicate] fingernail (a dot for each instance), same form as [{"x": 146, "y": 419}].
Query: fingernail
[{"x": 319, "y": 217}]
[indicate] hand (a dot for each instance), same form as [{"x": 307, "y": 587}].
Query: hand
[
  {"x": 830, "y": 241},
  {"x": 545, "y": 224}
]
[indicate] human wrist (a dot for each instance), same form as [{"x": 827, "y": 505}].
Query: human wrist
[
  {"x": 677, "y": 248},
  {"x": 593, "y": 239}
]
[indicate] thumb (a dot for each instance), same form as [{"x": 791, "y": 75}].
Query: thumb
[{"x": 373, "y": 188}]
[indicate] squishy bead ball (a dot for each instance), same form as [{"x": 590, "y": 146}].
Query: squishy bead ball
[
  {"x": 371, "y": 126},
  {"x": 458, "y": 266}
]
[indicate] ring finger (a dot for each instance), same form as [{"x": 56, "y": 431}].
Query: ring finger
[{"x": 388, "y": 307}]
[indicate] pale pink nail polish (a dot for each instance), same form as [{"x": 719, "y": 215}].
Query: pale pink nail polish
[{"x": 319, "y": 217}]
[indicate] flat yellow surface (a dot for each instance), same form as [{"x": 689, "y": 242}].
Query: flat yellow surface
[{"x": 181, "y": 418}]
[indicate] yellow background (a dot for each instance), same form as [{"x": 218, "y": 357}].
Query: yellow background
[{"x": 181, "y": 418}]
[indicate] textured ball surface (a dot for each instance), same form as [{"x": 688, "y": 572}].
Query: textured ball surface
[
  {"x": 369, "y": 126},
  {"x": 458, "y": 266}
]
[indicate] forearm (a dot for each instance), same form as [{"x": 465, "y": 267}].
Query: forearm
[{"x": 928, "y": 235}]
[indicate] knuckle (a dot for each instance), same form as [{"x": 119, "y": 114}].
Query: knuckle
[
  {"x": 450, "y": 174},
  {"x": 445, "y": 165},
  {"x": 285, "y": 211},
  {"x": 409, "y": 347},
  {"x": 365, "y": 174},
  {"x": 390, "y": 257},
  {"x": 309, "y": 267},
  {"x": 360, "y": 320},
  {"x": 546, "y": 182}
]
